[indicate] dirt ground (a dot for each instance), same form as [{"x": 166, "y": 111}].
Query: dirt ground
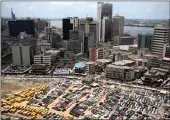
[{"x": 9, "y": 86}]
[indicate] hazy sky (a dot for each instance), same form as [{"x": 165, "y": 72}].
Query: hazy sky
[{"x": 141, "y": 10}]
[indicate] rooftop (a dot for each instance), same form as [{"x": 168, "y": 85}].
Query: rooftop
[
  {"x": 123, "y": 62},
  {"x": 90, "y": 62},
  {"x": 103, "y": 60},
  {"x": 115, "y": 66},
  {"x": 166, "y": 59}
]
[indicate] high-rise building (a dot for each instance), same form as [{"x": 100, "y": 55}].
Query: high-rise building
[
  {"x": 89, "y": 26},
  {"x": 67, "y": 26},
  {"x": 12, "y": 15},
  {"x": 103, "y": 10},
  {"x": 88, "y": 41},
  {"x": 92, "y": 56},
  {"x": 76, "y": 22},
  {"x": 160, "y": 39},
  {"x": 118, "y": 26},
  {"x": 21, "y": 55},
  {"x": 145, "y": 41},
  {"x": 15, "y": 27},
  {"x": 106, "y": 29}
]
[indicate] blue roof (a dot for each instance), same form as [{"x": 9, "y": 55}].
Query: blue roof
[{"x": 79, "y": 65}]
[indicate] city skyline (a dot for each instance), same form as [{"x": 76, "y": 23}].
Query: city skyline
[{"x": 53, "y": 10}]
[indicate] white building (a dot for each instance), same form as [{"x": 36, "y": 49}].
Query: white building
[
  {"x": 21, "y": 55},
  {"x": 160, "y": 39},
  {"x": 90, "y": 67},
  {"x": 42, "y": 59}
]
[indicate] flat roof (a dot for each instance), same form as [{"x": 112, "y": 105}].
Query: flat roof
[
  {"x": 123, "y": 62},
  {"x": 115, "y": 66},
  {"x": 79, "y": 65},
  {"x": 90, "y": 62},
  {"x": 104, "y": 60},
  {"x": 151, "y": 55}
]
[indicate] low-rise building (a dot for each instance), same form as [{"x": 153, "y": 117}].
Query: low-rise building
[
  {"x": 90, "y": 67},
  {"x": 119, "y": 72}
]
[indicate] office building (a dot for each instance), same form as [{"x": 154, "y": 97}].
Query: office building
[
  {"x": 118, "y": 26},
  {"x": 21, "y": 55},
  {"x": 92, "y": 55},
  {"x": 145, "y": 41},
  {"x": 40, "y": 24},
  {"x": 103, "y": 10},
  {"x": 167, "y": 53},
  {"x": 126, "y": 40},
  {"x": 42, "y": 59},
  {"x": 90, "y": 67},
  {"x": 90, "y": 27},
  {"x": 106, "y": 29},
  {"x": 76, "y": 22},
  {"x": 100, "y": 53},
  {"x": 165, "y": 63},
  {"x": 123, "y": 73},
  {"x": 88, "y": 42},
  {"x": 67, "y": 26},
  {"x": 74, "y": 35},
  {"x": 15, "y": 27},
  {"x": 160, "y": 39}
]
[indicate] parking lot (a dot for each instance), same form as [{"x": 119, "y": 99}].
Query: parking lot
[{"x": 76, "y": 100}]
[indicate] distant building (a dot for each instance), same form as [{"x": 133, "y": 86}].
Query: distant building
[
  {"x": 126, "y": 40},
  {"x": 103, "y": 10},
  {"x": 90, "y": 27},
  {"x": 120, "y": 72},
  {"x": 76, "y": 22},
  {"x": 160, "y": 39},
  {"x": 106, "y": 29},
  {"x": 15, "y": 27},
  {"x": 145, "y": 41},
  {"x": 118, "y": 26},
  {"x": 67, "y": 26},
  {"x": 74, "y": 43},
  {"x": 21, "y": 55},
  {"x": 40, "y": 25},
  {"x": 167, "y": 53}
]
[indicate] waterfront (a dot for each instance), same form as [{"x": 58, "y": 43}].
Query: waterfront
[{"x": 130, "y": 29}]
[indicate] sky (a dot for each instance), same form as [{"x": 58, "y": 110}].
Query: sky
[{"x": 136, "y": 10}]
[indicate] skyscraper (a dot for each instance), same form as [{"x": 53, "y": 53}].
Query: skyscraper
[
  {"x": 21, "y": 55},
  {"x": 12, "y": 15},
  {"x": 103, "y": 10},
  {"x": 67, "y": 26},
  {"x": 106, "y": 29},
  {"x": 118, "y": 26},
  {"x": 160, "y": 39},
  {"x": 145, "y": 41}
]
